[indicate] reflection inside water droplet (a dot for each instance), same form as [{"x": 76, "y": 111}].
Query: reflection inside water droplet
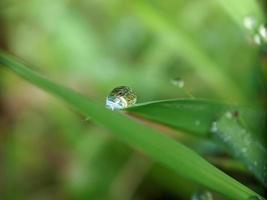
[
  {"x": 178, "y": 82},
  {"x": 120, "y": 98}
]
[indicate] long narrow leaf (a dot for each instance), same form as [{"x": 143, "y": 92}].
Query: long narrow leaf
[
  {"x": 193, "y": 116},
  {"x": 238, "y": 10},
  {"x": 242, "y": 144},
  {"x": 156, "y": 145},
  {"x": 197, "y": 117}
]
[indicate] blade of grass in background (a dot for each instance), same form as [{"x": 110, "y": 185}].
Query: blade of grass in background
[
  {"x": 196, "y": 116},
  {"x": 156, "y": 145},
  {"x": 239, "y": 9},
  {"x": 186, "y": 48},
  {"x": 243, "y": 145}
]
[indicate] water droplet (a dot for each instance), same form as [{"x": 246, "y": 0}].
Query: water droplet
[
  {"x": 263, "y": 32},
  {"x": 178, "y": 82},
  {"x": 202, "y": 195},
  {"x": 229, "y": 115},
  {"x": 214, "y": 127},
  {"x": 257, "y": 39},
  {"x": 249, "y": 22},
  {"x": 120, "y": 98},
  {"x": 87, "y": 119}
]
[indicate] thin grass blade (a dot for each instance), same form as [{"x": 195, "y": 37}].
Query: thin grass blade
[{"x": 159, "y": 147}]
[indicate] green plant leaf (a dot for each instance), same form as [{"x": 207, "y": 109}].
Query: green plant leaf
[
  {"x": 240, "y": 9},
  {"x": 243, "y": 145},
  {"x": 154, "y": 144},
  {"x": 197, "y": 116},
  {"x": 193, "y": 116}
]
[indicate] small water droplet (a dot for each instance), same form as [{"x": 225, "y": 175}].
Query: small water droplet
[
  {"x": 214, "y": 127},
  {"x": 229, "y": 115},
  {"x": 249, "y": 22},
  {"x": 263, "y": 32},
  {"x": 120, "y": 98},
  {"x": 87, "y": 119},
  {"x": 257, "y": 39},
  {"x": 202, "y": 195},
  {"x": 178, "y": 82}
]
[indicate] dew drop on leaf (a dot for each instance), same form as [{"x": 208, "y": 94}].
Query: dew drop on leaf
[
  {"x": 202, "y": 195},
  {"x": 229, "y": 115},
  {"x": 121, "y": 97},
  {"x": 263, "y": 32},
  {"x": 214, "y": 127},
  {"x": 249, "y": 22},
  {"x": 257, "y": 39},
  {"x": 260, "y": 37},
  {"x": 178, "y": 82}
]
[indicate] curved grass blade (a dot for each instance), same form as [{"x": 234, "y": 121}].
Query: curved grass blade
[
  {"x": 197, "y": 117},
  {"x": 242, "y": 144},
  {"x": 154, "y": 144}
]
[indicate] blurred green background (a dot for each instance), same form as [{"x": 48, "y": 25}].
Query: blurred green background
[{"x": 49, "y": 152}]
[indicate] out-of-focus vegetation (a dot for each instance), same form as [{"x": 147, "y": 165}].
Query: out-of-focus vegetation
[{"x": 50, "y": 152}]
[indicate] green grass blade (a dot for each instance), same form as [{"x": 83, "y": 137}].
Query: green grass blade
[
  {"x": 194, "y": 116},
  {"x": 239, "y": 9},
  {"x": 156, "y": 145},
  {"x": 242, "y": 143},
  {"x": 197, "y": 117}
]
